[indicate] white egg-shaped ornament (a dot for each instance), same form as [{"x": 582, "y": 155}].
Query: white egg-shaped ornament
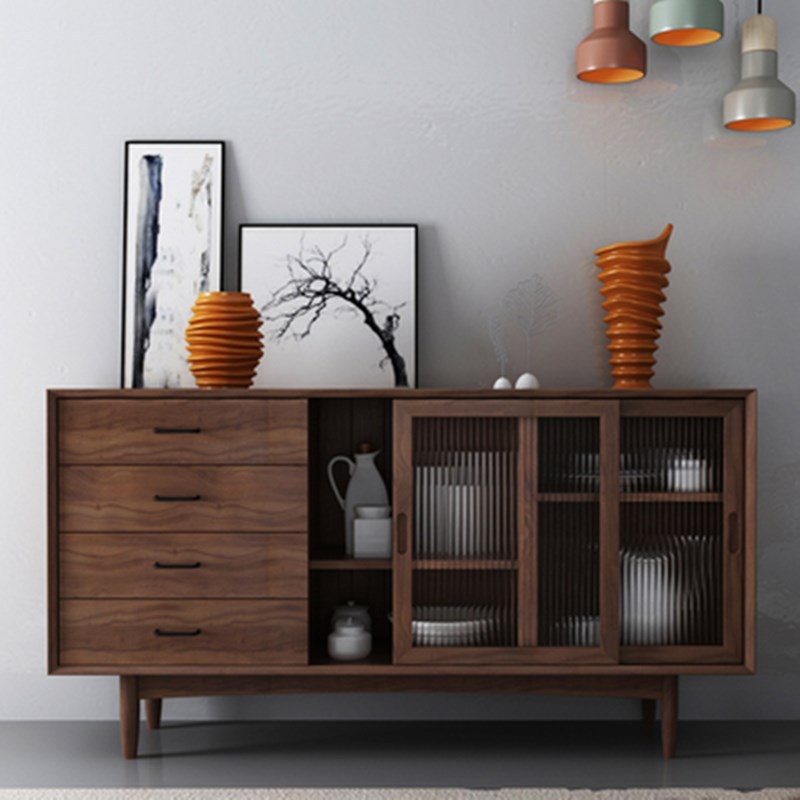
[
  {"x": 502, "y": 383},
  {"x": 527, "y": 381}
]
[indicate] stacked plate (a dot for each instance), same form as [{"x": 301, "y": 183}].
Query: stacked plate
[
  {"x": 578, "y": 631},
  {"x": 455, "y": 626}
]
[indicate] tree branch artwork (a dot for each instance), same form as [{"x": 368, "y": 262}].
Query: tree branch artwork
[{"x": 314, "y": 287}]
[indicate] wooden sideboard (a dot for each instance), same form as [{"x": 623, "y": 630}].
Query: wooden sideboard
[{"x": 560, "y": 542}]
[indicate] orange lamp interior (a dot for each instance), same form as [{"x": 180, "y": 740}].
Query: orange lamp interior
[
  {"x": 687, "y": 37},
  {"x": 611, "y": 75},
  {"x": 763, "y": 124}
]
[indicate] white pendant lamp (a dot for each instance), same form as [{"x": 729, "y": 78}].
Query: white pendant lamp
[{"x": 760, "y": 102}]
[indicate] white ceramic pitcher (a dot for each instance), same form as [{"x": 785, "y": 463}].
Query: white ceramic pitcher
[{"x": 365, "y": 488}]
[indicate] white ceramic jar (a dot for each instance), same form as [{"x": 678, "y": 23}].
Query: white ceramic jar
[
  {"x": 349, "y": 641},
  {"x": 354, "y": 612}
]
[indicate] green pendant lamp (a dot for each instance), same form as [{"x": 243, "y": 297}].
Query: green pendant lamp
[
  {"x": 760, "y": 102},
  {"x": 611, "y": 53},
  {"x": 687, "y": 23}
]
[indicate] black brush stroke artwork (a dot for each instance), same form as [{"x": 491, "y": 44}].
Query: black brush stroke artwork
[
  {"x": 312, "y": 287},
  {"x": 147, "y": 230}
]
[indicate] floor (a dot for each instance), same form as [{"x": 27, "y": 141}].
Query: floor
[{"x": 592, "y": 755}]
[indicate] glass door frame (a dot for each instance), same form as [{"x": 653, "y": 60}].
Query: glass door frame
[
  {"x": 733, "y": 531},
  {"x": 527, "y": 413}
]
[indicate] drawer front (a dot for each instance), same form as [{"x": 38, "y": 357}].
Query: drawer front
[
  {"x": 135, "y": 633},
  {"x": 153, "y": 565},
  {"x": 183, "y": 498},
  {"x": 200, "y": 431}
]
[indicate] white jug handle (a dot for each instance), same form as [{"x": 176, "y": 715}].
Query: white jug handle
[{"x": 351, "y": 465}]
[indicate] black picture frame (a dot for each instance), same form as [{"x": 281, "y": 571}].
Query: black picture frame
[{"x": 307, "y": 367}]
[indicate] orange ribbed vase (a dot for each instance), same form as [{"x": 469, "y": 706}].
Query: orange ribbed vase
[
  {"x": 223, "y": 340},
  {"x": 634, "y": 275}
]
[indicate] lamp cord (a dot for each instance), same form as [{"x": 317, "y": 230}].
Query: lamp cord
[{"x": 760, "y": 6}]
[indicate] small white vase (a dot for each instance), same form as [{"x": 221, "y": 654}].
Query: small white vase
[
  {"x": 366, "y": 487},
  {"x": 502, "y": 383},
  {"x": 527, "y": 381}
]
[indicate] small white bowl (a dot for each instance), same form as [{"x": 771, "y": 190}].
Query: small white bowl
[{"x": 373, "y": 512}]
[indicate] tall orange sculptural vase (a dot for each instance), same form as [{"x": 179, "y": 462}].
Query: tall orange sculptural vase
[{"x": 634, "y": 276}]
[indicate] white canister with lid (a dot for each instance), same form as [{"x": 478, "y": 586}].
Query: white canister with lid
[
  {"x": 352, "y": 611},
  {"x": 349, "y": 641}
]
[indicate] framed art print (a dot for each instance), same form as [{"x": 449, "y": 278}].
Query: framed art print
[
  {"x": 338, "y": 303},
  {"x": 172, "y": 252}
]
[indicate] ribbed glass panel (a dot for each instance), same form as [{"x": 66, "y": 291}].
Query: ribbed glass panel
[
  {"x": 465, "y": 488},
  {"x": 671, "y": 454},
  {"x": 568, "y": 532},
  {"x": 569, "y": 575},
  {"x": 569, "y": 454},
  {"x": 465, "y": 532},
  {"x": 464, "y": 608},
  {"x": 671, "y": 574},
  {"x": 671, "y": 570}
]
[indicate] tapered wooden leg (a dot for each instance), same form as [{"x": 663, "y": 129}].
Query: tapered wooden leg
[
  {"x": 649, "y": 713},
  {"x": 152, "y": 710},
  {"x": 669, "y": 717},
  {"x": 128, "y": 715}
]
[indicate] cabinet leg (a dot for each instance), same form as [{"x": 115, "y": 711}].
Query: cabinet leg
[
  {"x": 129, "y": 715},
  {"x": 152, "y": 710},
  {"x": 649, "y": 713},
  {"x": 669, "y": 717}
]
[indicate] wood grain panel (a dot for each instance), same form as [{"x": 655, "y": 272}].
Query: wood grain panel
[
  {"x": 152, "y": 565},
  {"x": 750, "y": 526},
  {"x": 240, "y": 499},
  {"x": 651, "y": 687},
  {"x": 208, "y": 431},
  {"x": 231, "y": 632}
]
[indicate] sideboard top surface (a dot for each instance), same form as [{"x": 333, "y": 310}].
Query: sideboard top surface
[{"x": 406, "y": 394}]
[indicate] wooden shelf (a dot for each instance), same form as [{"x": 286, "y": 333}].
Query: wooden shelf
[
  {"x": 632, "y": 497},
  {"x": 381, "y": 655},
  {"x": 343, "y": 564},
  {"x": 465, "y": 563},
  {"x": 568, "y": 497},
  {"x": 671, "y": 497}
]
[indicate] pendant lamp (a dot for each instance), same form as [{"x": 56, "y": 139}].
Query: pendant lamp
[
  {"x": 686, "y": 23},
  {"x": 760, "y": 102},
  {"x": 611, "y": 53}
]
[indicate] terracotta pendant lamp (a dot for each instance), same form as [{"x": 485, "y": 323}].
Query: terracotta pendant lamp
[
  {"x": 760, "y": 102},
  {"x": 611, "y": 53},
  {"x": 687, "y": 23}
]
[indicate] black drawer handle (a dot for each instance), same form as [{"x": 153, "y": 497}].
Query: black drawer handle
[
  {"x": 159, "y": 565},
  {"x": 159, "y": 429},
  {"x": 195, "y": 632},
  {"x": 164, "y": 498}
]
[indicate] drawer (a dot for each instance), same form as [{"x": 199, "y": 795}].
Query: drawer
[
  {"x": 135, "y": 633},
  {"x": 203, "y": 565},
  {"x": 195, "y": 431},
  {"x": 183, "y": 498}
]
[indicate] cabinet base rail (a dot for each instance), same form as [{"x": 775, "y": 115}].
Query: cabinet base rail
[{"x": 153, "y": 689}]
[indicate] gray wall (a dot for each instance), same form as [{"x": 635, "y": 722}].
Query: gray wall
[{"x": 463, "y": 115}]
